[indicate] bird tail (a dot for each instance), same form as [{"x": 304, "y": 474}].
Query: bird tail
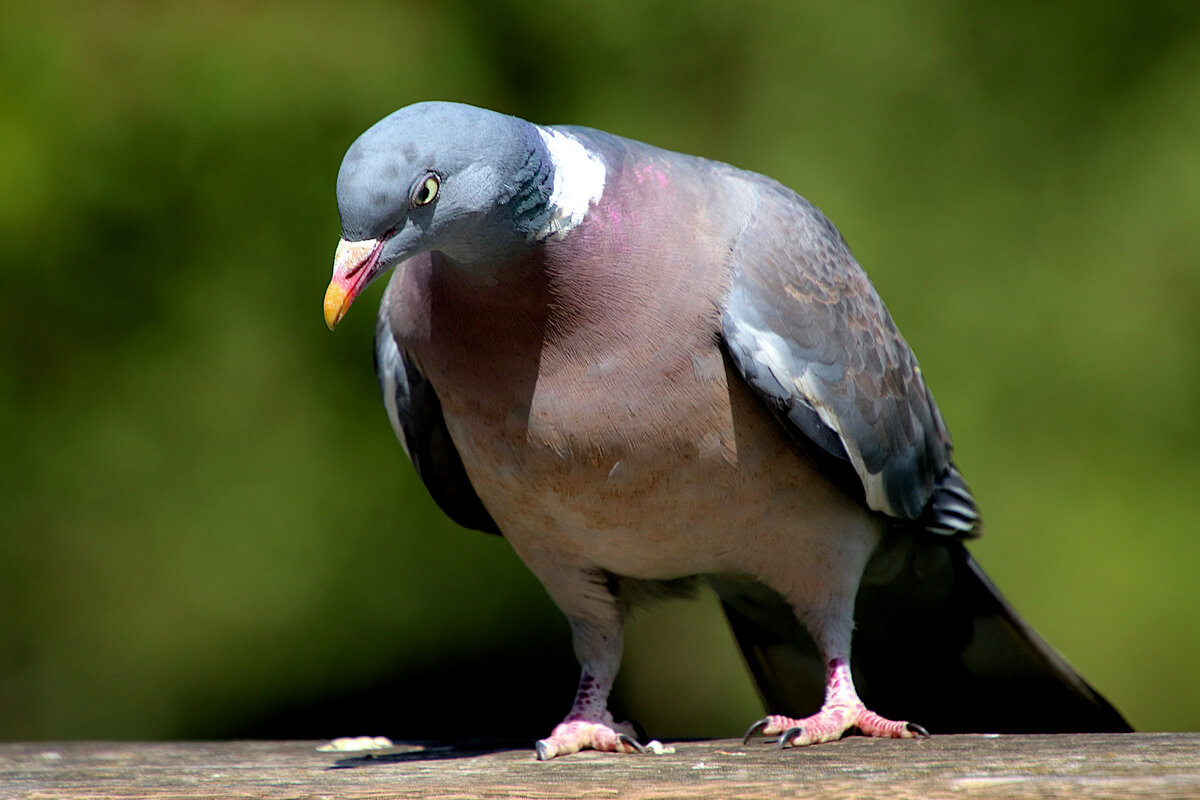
[{"x": 934, "y": 642}]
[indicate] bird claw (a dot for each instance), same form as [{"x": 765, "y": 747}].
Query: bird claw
[
  {"x": 917, "y": 729},
  {"x": 771, "y": 725},
  {"x": 756, "y": 729},
  {"x": 629, "y": 741},
  {"x": 786, "y": 738}
]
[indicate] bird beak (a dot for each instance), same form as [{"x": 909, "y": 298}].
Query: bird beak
[{"x": 353, "y": 268}]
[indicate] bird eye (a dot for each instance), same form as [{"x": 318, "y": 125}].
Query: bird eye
[{"x": 425, "y": 191}]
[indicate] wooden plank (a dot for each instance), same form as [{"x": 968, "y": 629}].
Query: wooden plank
[{"x": 1158, "y": 765}]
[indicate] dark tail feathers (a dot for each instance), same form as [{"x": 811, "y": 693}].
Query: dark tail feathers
[{"x": 935, "y": 644}]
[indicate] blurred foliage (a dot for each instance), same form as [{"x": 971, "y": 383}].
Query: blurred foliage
[{"x": 206, "y": 527}]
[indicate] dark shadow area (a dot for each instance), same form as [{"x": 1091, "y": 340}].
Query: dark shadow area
[
  {"x": 513, "y": 695},
  {"x": 434, "y": 751}
]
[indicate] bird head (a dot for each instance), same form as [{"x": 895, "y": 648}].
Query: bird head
[{"x": 472, "y": 184}]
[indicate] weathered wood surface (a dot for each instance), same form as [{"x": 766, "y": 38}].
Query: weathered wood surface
[{"x": 1158, "y": 765}]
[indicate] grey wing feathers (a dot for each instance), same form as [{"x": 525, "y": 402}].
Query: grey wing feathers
[
  {"x": 807, "y": 331},
  {"x": 416, "y": 415}
]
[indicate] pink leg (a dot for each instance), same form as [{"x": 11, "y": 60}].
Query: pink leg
[
  {"x": 590, "y": 599},
  {"x": 589, "y": 725},
  {"x": 841, "y": 711}
]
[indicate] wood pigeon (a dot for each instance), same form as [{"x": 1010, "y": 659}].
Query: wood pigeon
[{"x": 647, "y": 369}]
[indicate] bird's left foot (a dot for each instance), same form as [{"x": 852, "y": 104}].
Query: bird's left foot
[
  {"x": 573, "y": 735},
  {"x": 830, "y": 723}
]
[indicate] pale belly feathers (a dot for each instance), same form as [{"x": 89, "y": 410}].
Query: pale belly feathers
[{"x": 593, "y": 481}]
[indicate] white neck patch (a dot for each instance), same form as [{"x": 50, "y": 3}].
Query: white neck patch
[{"x": 578, "y": 183}]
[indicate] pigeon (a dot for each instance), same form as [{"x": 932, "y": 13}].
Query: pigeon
[{"x": 648, "y": 371}]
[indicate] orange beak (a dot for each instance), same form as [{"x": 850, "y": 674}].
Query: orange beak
[{"x": 353, "y": 268}]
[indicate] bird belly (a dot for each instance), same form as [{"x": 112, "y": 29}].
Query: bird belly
[{"x": 711, "y": 487}]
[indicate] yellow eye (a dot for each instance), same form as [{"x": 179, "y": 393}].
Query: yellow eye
[{"x": 425, "y": 191}]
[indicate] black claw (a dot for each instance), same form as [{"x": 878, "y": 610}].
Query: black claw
[
  {"x": 917, "y": 729},
  {"x": 756, "y": 729},
  {"x": 629, "y": 741},
  {"x": 543, "y": 752},
  {"x": 786, "y": 737}
]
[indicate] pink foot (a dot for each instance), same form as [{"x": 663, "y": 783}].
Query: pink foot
[
  {"x": 841, "y": 711},
  {"x": 831, "y": 723},
  {"x": 573, "y": 735}
]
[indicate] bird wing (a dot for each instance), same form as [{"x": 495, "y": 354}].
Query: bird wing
[
  {"x": 806, "y": 330},
  {"x": 416, "y": 415},
  {"x": 808, "y": 333}
]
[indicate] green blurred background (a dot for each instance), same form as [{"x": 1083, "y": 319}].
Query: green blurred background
[{"x": 206, "y": 526}]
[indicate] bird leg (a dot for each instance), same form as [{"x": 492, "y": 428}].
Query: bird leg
[
  {"x": 841, "y": 711},
  {"x": 596, "y": 629}
]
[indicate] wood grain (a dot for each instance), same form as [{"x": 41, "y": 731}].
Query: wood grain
[{"x": 1159, "y": 765}]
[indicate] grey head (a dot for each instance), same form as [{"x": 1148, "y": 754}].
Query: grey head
[{"x": 472, "y": 184}]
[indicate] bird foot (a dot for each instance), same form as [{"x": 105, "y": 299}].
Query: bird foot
[
  {"x": 573, "y": 735},
  {"x": 830, "y": 723}
]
